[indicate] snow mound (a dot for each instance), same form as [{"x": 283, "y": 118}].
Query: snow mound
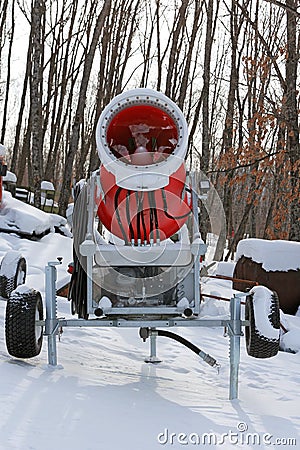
[
  {"x": 290, "y": 341},
  {"x": 225, "y": 268},
  {"x": 19, "y": 217},
  {"x": 273, "y": 255}
]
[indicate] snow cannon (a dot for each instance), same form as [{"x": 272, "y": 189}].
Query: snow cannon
[
  {"x": 142, "y": 142},
  {"x": 135, "y": 225}
]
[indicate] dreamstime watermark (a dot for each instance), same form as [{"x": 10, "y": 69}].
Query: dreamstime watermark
[{"x": 239, "y": 437}]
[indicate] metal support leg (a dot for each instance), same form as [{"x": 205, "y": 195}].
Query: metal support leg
[
  {"x": 235, "y": 333},
  {"x": 51, "y": 322},
  {"x": 153, "y": 358}
]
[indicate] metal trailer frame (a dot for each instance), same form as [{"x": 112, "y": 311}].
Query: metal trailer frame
[
  {"x": 233, "y": 325},
  {"x": 136, "y": 317}
]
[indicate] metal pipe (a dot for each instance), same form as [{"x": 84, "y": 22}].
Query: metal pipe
[
  {"x": 235, "y": 333},
  {"x": 196, "y": 277},
  {"x": 51, "y": 322},
  {"x": 153, "y": 356}
]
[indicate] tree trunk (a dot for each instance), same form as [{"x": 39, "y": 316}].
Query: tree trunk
[
  {"x": 292, "y": 117},
  {"x": 73, "y": 146},
  {"x": 36, "y": 98}
]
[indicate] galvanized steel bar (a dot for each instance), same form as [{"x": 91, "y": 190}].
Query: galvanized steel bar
[
  {"x": 235, "y": 333},
  {"x": 51, "y": 322}
]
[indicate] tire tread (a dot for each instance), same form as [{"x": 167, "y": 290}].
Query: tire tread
[
  {"x": 257, "y": 345},
  {"x": 20, "y": 319}
]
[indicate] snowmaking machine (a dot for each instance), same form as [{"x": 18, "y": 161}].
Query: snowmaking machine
[
  {"x": 136, "y": 242},
  {"x": 147, "y": 206}
]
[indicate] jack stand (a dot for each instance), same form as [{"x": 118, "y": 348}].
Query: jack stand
[
  {"x": 235, "y": 333},
  {"x": 153, "y": 358},
  {"x": 51, "y": 322}
]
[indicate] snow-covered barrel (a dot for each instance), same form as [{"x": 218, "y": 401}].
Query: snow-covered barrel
[
  {"x": 142, "y": 142},
  {"x": 274, "y": 264}
]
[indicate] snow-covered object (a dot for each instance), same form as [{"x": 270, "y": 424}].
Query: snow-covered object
[
  {"x": 105, "y": 303},
  {"x": 10, "y": 177},
  {"x": 277, "y": 255},
  {"x": 22, "y": 289},
  {"x": 262, "y": 305},
  {"x": 47, "y": 185},
  {"x": 290, "y": 332},
  {"x": 24, "y": 218}
]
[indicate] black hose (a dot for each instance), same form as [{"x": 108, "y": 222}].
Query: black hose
[
  {"x": 179, "y": 339},
  {"x": 144, "y": 225},
  {"x": 155, "y": 214},
  {"x": 163, "y": 193},
  {"x": 151, "y": 217},
  {"x": 205, "y": 356},
  {"x": 116, "y": 199},
  {"x": 77, "y": 293},
  {"x": 131, "y": 231},
  {"x": 138, "y": 217},
  {"x": 140, "y": 206}
]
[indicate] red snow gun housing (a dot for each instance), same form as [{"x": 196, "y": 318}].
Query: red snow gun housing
[
  {"x": 142, "y": 144},
  {"x": 142, "y": 197}
]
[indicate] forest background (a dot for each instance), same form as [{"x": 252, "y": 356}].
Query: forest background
[{"x": 231, "y": 66}]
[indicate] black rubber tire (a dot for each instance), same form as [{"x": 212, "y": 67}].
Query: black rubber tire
[
  {"x": 257, "y": 345},
  {"x": 7, "y": 285},
  {"x": 23, "y": 338}
]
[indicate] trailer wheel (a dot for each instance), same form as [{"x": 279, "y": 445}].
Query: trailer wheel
[
  {"x": 258, "y": 345},
  {"x": 23, "y": 337},
  {"x": 12, "y": 272}
]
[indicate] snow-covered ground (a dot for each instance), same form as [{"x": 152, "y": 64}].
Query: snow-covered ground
[{"x": 104, "y": 396}]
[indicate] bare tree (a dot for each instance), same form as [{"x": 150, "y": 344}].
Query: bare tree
[
  {"x": 8, "y": 77},
  {"x": 66, "y": 185},
  {"x": 36, "y": 94},
  {"x": 291, "y": 108}
]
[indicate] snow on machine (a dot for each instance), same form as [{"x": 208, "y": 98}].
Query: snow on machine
[{"x": 137, "y": 244}]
